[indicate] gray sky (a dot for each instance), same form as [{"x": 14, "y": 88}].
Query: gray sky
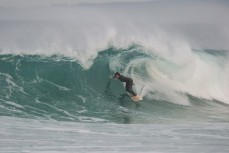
[{"x": 26, "y": 3}]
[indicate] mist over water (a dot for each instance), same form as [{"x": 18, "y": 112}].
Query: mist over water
[{"x": 72, "y": 29}]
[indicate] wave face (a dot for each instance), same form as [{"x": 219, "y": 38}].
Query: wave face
[
  {"x": 60, "y": 88},
  {"x": 56, "y": 61}
]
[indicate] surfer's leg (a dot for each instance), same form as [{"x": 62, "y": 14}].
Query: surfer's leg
[{"x": 130, "y": 90}]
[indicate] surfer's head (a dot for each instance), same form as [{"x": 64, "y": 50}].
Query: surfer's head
[{"x": 117, "y": 75}]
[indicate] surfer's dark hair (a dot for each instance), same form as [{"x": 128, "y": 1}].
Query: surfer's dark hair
[{"x": 117, "y": 73}]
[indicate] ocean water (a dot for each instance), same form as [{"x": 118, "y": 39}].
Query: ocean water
[{"x": 56, "y": 88}]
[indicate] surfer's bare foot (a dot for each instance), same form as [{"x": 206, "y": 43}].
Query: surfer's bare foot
[{"x": 134, "y": 97}]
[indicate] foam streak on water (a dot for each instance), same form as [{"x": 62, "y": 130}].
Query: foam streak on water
[{"x": 27, "y": 135}]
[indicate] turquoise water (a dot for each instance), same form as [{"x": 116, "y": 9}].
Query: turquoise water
[{"x": 59, "y": 88}]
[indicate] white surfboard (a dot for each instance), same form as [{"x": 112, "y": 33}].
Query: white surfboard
[{"x": 136, "y": 98}]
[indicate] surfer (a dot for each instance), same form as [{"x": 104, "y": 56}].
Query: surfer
[{"x": 128, "y": 81}]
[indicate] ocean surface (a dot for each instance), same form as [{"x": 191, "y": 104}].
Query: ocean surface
[{"x": 57, "y": 93}]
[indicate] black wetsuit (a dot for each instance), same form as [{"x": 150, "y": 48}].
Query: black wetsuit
[{"x": 129, "y": 84}]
